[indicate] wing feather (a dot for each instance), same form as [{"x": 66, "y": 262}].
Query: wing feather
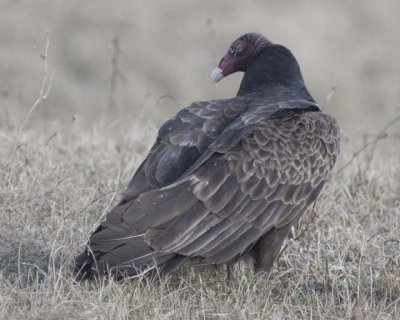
[
  {"x": 204, "y": 235},
  {"x": 181, "y": 230},
  {"x": 224, "y": 196},
  {"x": 252, "y": 171}
]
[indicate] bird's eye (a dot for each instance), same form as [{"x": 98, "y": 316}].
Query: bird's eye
[{"x": 235, "y": 51}]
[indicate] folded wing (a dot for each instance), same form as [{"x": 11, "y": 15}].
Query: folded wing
[{"x": 258, "y": 175}]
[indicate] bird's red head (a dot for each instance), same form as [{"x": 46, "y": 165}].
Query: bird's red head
[{"x": 241, "y": 52}]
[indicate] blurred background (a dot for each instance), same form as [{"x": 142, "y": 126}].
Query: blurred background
[{"x": 162, "y": 52}]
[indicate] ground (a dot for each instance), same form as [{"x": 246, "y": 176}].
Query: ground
[
  {"x": 121, "y": 70},
  {"x": 342, "y": 259}
]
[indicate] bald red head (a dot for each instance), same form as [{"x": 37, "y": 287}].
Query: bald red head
[{"x": 241, "y": 52}]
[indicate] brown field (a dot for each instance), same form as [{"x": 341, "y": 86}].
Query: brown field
[{"x": 64, "y": 158}]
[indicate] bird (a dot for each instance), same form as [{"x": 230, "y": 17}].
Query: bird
[{"x": 225, "y": 179}]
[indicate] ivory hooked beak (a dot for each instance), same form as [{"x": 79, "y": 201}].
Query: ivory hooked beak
[{"x": 216, "y": 74}]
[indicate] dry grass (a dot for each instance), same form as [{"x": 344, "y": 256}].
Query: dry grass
[
  {"x": 168, "y": 49},
  {"x": 344, "y": 258},
  {"x": 59, "y": 177}
]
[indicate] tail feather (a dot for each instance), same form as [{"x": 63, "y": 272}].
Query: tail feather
[
  {"x": 82, "y": 265},
  {"x": 120, "y": 264}
]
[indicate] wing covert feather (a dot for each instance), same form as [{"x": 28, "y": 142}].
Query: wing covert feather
[
  {"x": 293, "y": 175},
  {"x": 264, "y": 177},
  {"x": 180, "y": 142}
]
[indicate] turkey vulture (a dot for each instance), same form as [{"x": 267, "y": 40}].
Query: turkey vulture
[{"x": 225, "y": 178}]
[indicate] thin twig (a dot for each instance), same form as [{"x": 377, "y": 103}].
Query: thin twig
[
  {"x": 383, "y": 131},
  {"x": 116, "y": 74},
  {"x": 330, "y": 94},
  {"x": 97, "y": 199},
  {"x": 381, "y": 135},
  {"x": 43, "y": 94}
]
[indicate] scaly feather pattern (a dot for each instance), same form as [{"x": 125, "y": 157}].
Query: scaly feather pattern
[{"x": 225, "y": 178}]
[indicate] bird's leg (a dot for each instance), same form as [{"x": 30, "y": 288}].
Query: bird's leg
[
  {"x": 267, "y": 249},
  {"x": 229, "y": 271}
]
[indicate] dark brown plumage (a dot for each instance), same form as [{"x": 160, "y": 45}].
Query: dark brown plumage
[{"x": 225, "y": 178}]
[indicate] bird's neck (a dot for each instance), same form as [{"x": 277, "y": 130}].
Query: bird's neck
[{"x": 273, "y": 72}]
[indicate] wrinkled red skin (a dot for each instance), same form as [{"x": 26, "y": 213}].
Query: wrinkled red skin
[{"x": 230, "y": 63}]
